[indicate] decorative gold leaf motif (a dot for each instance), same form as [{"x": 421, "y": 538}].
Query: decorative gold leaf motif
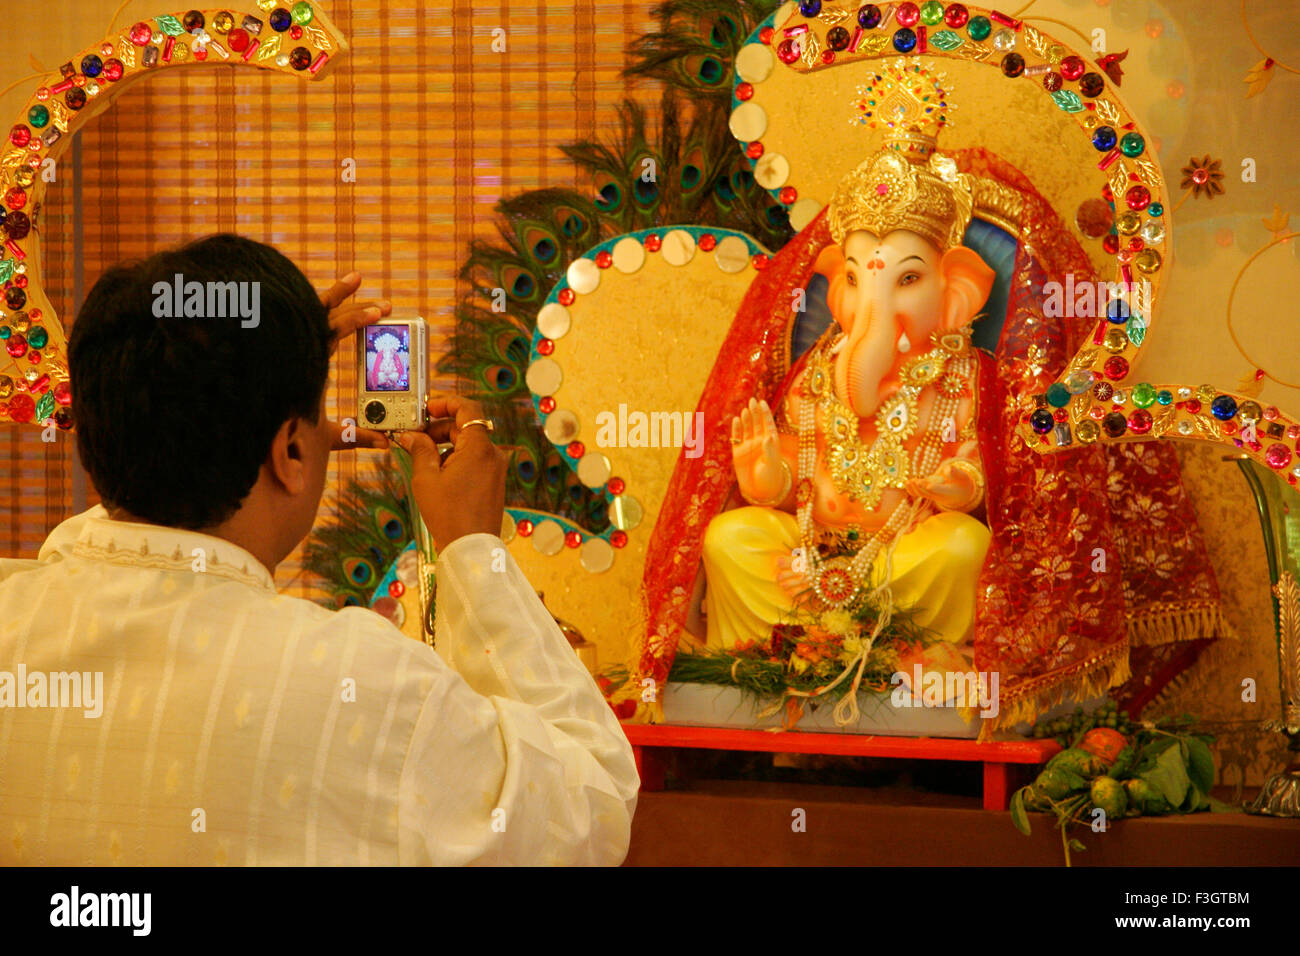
[
  {"x": 1078, "y": 407},
  {"x": 1287, "y": 592},
  {"x": 268, "y": 49},
  {"x": 1106, "y": 111},
  {"x": 59, "y": 115},
  {"x": 1259, "y": 77},
  {"x": 1150, "y": 172},
  {"x": 1083, "y": 359},
  {"x": 13, "y": 159},
  {"x": 126, "y": 51},
  {"x": 320, "y": 38},
  {"x": 1118, "y": 179},
  {"x": 872, "y": 44},
  {"x": 811, "y": 47},
  {"x": 832, "y": 15},
  {"x": 1034, "y": 41},
  {"x": 1164, "y": 421},
  {"x": 971, "y": 51},
  {"x": 1206, "y": 427}
]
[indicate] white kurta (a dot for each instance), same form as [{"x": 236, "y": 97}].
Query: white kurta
[{"x": 244, "y": 727}]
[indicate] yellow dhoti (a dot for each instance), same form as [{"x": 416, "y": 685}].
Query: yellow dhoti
[{"x": 935, "y": 571}]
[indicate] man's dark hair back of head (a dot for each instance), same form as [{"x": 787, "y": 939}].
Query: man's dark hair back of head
[{"x": 175, "y": 415}]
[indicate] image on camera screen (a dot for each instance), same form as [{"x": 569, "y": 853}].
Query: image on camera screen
[{"x": 388, "y": 358}]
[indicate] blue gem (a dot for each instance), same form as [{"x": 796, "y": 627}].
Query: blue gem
[
  {"x": 904, "y": 40},
  {"x": 869, "y": 17},
  {"x": 1104, "y": 138},
  {"x": 92, "y": 66},
  {"x": 810, "y": 8},
  {"x": 280, "y": 19},
  {"x": 1117, "y": 311},
  {"x": 1224, "y": 407},
  {"x": 1042, "y": 421}
]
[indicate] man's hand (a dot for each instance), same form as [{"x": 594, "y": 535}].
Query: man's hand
[
  {"x": 466, "y": 492},
  {"x": 344, "y": 320}
]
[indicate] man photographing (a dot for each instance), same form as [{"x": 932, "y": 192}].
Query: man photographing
[{"x": 244, "y": 727}]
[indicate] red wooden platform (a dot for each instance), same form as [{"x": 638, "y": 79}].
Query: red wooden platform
[{"x": 998, "y": 757}]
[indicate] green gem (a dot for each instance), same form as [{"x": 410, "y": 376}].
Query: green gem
[
  {"x": 6, "y": 269},
  {"x": 38, "y": 338},
  {"x": 1164, "y": 396},
  {"x": 5, "y": 332},
  {"x": 1068, "y": 100},
  {"x": 1143, "y": 394},
  {"x": 853, "y": 536},
  {"x": 45, "y": 407},
  {"x": 979, "y": 28},
  {"x": 38, "y": 116},
  {"x": 170, "y": 26},
  {"x": 1155, "y": 209},
  {"x": 301, "y": 13},
  {"x": 1136, "y": 329},
  {"x": 1132, "y": 144},
  {"x": 946, "y": 40},
  {"x": 1058, "y": 396},
  {"x": 931, "y": 12}
]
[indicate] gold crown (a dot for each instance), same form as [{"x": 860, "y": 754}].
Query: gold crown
[{"x": 906, "y": 184}]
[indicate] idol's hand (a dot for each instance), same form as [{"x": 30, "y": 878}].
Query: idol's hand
[
  {"x": 950, "y": 487},
  {"x": 465, "y": 493},
  {"x": 756, "y": 454},
  {"x": 345, "y": 318}
]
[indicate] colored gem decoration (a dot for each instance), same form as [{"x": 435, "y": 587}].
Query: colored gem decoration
[
  {"x": 1203, "y": 177},
  {"x": 34, "y": 353}
]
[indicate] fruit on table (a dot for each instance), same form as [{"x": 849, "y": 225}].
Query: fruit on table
[
  {"x": 1103, "y": 743},
  {"x": 1110, "y": 795}
]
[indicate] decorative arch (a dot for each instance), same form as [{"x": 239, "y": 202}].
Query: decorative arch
[{"x": 296, "y": 38}]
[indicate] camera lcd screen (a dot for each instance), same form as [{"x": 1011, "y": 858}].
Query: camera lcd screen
[{"x": 388, "y": 358}]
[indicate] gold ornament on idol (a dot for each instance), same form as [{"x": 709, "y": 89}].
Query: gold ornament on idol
[{"x": 864, "y": 472}]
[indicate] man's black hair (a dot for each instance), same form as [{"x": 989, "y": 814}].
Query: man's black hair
[{"x": 175, "y": 415}]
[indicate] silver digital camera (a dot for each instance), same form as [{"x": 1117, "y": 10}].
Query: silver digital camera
[{"x": 392, "y": 363}]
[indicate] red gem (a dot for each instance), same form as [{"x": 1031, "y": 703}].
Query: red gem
[
  {"x": 1138, "y": 197},
  {"x": 43, "y": 93},
  {"x": 708, "y": 241},
  {"x": 618, "y": 539},
  {"x": 63, "y": 393},
  {"x": 1111, "y": 244},
  {"x": 1139, "y": 423},
  {"x": 1116, "y": 367},
  {"x": 113, "y": 69},
  {"x": 20, "y": 135},
  {"x": 576, "y": 449},
  {"x": 1229, "y": 428},
  {"x": 653, "y": 242},
  {"x": 1278, "y": 456},
  {"x": 1193, "y": 405},
  {"x": 38, "y": 386},
  {"x": 787, "y": 50},
  {"x": 16, "y": 198},
  {"x": 396, "y": 588},
  {"x": 828, "y": 56},
  {"x": 956, "y": 16},
  {"x": 20, "y": 281},
  {"x": 754, "y": 150},
  {"x": 295, "y": 32},
  {"x": 546, "y": 405},
  {"x": 35, "y": 314},
  {"x": 616, "y": 486},
  {"x": 1097, "y": 412},
  {"x": 1072, "y": 67},
  {"x": 1052, "y": 81},
  {"x": 545, "y": 347},
  {"x": 573, "y": 539},
  {"x": 1135, "y": 244},
  {"x": 22, "y": 408},
  {"x": 744, "y": 91},
  {"x": 1060, "y": 415},
  {"x": 238, "y": 39},
  {"x": 788, "y": 195},
  {"x": 760, "y": 261},
  {"x": 765, "y": 35},
  {"x": 1270, "y": 413},
  {"x": 604, "y": 259},
  {"x": 34, "y": 357},
  {"x": 566, "y": 297},
  {"x": 1106, "y": 194},
  {"x": 200, "y": 53},
  {"x": 141, "y": 34},
  {"x": 524, "y": 527},
  {"x": 907, "y": 14},
  {"x": 17, "y": 345}
]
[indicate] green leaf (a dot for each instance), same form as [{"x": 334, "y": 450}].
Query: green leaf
[
  {"x": 45, "y": 407},
  {"x": 1123, "y": 763},
  {"x": 946, "y": 40},
  {"x": 170, "y": 25},
  {"x": 1068, "y": 101},
  {"x": 6, "y": 269},
  {"x": 1018, "y": 816},
  {"x": 1076, "y": 846},
  {"x": 1169, "y": 776},
  {"x": 1200, "y": 764}
]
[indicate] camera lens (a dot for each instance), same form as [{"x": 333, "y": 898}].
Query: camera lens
[{"x": 375, "y": 412}]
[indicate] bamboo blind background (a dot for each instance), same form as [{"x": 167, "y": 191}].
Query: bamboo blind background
[{"x": 440, "y": 127}]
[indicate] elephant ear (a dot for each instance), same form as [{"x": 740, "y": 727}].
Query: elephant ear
[
  {"x": 830, "y": 261},
  {"x": 967, "y": 281}
]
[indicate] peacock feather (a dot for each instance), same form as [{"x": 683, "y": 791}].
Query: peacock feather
[
  {"x": 352, "y": 554},
  {"x": 683, "y": 169}
]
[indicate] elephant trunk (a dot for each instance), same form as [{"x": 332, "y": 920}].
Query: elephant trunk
[{"x": 863, "y": 362}]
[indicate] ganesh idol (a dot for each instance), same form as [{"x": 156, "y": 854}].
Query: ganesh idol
[{"x": 867, "y": 471}]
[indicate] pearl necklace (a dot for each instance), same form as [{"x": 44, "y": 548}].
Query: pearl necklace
[{"x": 864, "y": 474}]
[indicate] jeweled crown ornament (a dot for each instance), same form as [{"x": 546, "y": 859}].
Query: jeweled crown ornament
[{"x": 905, "y": 184}]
